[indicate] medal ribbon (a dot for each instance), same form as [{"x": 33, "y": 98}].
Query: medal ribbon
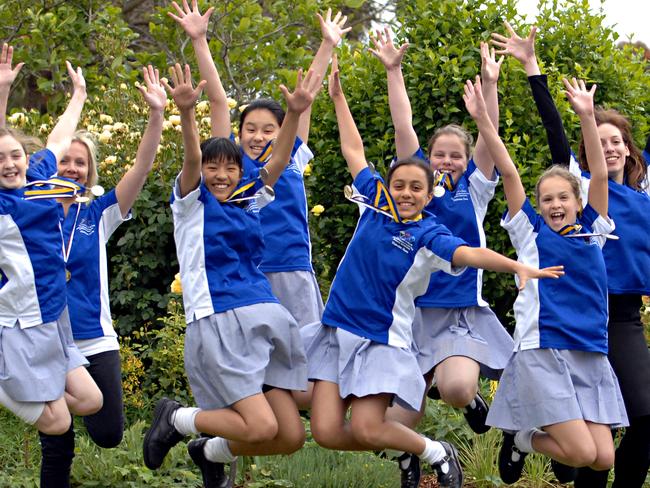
[{"x": 56, "y": 187}]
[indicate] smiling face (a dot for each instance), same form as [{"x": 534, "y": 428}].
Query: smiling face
[
  {"x": 221, "y": 176},
  {"x": 409, "y": 187},
  {"x": 615, "y": 149},
  {"x": 13, "y": 163},
  {"x": 448, "y": 154},
  {"x": 75, "y": 164},
  {"x": 258, "y": 128},
  {"x": 557, "y": 202}
]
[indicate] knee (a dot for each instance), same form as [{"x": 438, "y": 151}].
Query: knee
[
  {"x": 581, "y": 456},
  {"x": 54, "y": 425},
  {"x": 325, "y": 433},
  {"x": 367, "y": 434},
  {"x": 604, "y": 461},
  {"x": 292, "y": 441},
  {"x": 107, "y": 439},
  {"x": 262, "y": 430},
  {"x": 458, "y": 394},
  {"x": 91, "y": 403}
]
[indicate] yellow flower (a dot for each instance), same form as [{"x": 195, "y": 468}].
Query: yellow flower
[
  {"x": 175, "y": 119},
  {"x": 123, "y": 86},
  {"x": 110, "y": 159},
  {"x": 167, "y": 125},
  {"x": 203, "y": 107},
  {"x": 493, "y": 388},
  {"x": 91, "y": 128},
  {"x": 307, "y": 171},
  {"x": 206, "y": 121},
  {"x": 105, "y": 136},
  {"x": 107, "y": 128},
  {"x": 18, "y": 118},
  {"x": 232, "y": 103},
  {"x": 105, "y": 118},
  {"x": 177, "y": 287},
  {"x": 43, "y": 129},
  {"x": 242, "y": 107},
  {"x": 120, "y": 127},
  {"x": 317, "y": 210}
]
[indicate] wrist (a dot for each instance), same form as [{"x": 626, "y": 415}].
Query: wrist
[{"x": 531, "y": 67}]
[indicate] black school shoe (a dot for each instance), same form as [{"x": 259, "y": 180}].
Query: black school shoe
[
  {"x": 409, "y": 466},
  {"x": 448, "y": 470},
  {"x": 476, "y": 416},
  {"x": 162, "y": 435},
  {"x": 511, "y": 460},
  {"x": 213, "y": 473},
  {"x": 563, "y": 473}
]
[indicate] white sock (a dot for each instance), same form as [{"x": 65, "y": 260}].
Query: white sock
[
  {"x": 218, "y": 451},
  {"x": 524, "y": 440},
  {"x": 183, "y": 420},
  {"x": 433, "y": 451}
]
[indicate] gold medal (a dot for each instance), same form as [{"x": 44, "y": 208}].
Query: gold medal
[
  {"x": 68, "y": 275},
  {"x": 347, "y": 191}
]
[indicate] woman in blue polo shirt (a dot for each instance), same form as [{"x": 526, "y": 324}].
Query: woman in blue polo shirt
[{"x": 86, "y": 228}]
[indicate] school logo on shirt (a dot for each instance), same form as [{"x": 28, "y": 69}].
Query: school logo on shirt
[
  {"x": 404, "y": 241},
  {"x": 85, "y": 227},
  {"x": 252, "y": 207},
  {"x": 461, "y": 194},
  {"x": 293, "y": 166}
]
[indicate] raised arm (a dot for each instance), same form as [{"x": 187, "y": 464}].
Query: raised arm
[
  {"x": 490, "y": 69},
  {"x": 195, "y": 26},
  {"x": 523, "y": 50},
  {"x": 7, "y": 77},
  {"x": 406, "y": 140},
  {"x": 61, "y": 136},
  {"x": 582, "y": 101},
  {"x": 154, "y": 95},
  {"x": 512, "y": 186},
  {"x": 185, "y": 97},
  {"x": 297, "y": 102},
  {"x": 351, "y": 143},
  {"x": 332, "y": 31}
]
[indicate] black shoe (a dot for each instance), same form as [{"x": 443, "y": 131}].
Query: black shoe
[
  {"x": 563, "y": 473},
  {"x": 448, "y": 470},
  {"x": 409, "y": 466},
  {"x": 162, "y": 435},
  {"x": 476, "y": 416},
  {"x": 511, "y": 460},
  {"x": 433, "y": 393},
  {"x": 213, "y": 473}
]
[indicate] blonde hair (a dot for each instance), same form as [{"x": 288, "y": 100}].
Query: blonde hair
[
  {"x": 456, "y": 130},
  {"x": 30, "y": 144},
  {"x": 561, "y": 172},
  {"x": 86, "y": 138}
]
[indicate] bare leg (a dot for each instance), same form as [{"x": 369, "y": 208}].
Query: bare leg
[
  {"x": 570, "y": 442},
  {"x": 410, "y": 418},
  {"x": 328, "y": 424},
  {"x": 303, "y": 398},
  {"x": 457, "y": 380},
  {"x": 55, "y": 419},
  {"x": 290, "y": 434},
  {"x": 81, "y": 393},
  {"x": 371, "y": 428}
]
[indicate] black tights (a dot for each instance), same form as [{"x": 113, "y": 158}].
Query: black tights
[
  {"x": 105, "y": 427},
  {"x": 632, "y": 460}
]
